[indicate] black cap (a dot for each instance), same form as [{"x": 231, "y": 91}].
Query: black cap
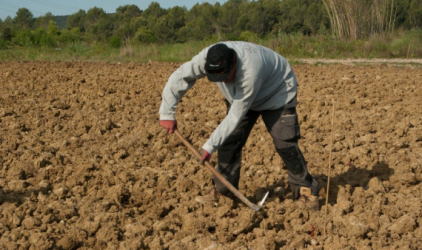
[{"x": 218, "y": 62}]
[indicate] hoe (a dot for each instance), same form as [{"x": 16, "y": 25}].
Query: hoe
[{"x": 236, "y": 192}]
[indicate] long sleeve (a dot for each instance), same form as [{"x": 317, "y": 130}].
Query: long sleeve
[
  {"x": 264, "y": 80},
  {"x": 178, "y": 83},
  {"x": 244, "y": 92}
]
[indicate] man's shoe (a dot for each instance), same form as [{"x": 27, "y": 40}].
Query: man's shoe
[
  {"x": 308, "y": 200},
  {"x": 211, "y": 197}
]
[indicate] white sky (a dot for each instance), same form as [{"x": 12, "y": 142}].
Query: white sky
[{"x": 60, "y": 8}]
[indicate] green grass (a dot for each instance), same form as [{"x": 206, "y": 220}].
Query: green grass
[{"x": 406, "y": 44}]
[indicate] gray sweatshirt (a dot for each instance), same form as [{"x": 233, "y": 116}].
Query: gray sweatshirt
[{"x": 264, "y": 80}]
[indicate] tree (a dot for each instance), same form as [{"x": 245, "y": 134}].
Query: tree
[
  {"x": 408, "y": 14},
  {"x": 154, "y": 10},
  {"x": 156, "y": 23},
  {"x": 53, "y": 28},
  {"x": 43, "y": 21},
  {"x": 24, "y": 18},
  {"x": 315, "y": 18},
  {"x": 242, "y": 23},
  {"x": 229, "y": 13},
  {"x": 124, "y": 20},
  {"x": 6, "y": 34},
  {"x": 126, "y": 13},
  {"x": 145, "y": 35},
  {"x": 415, "y": 14},
  {"x": 7, "y": 23},
  {"x": 304, "y": 16},
  {"x": 98, "y": 24},
  {"x": 76, "y": 20},
  {"x": 168, "y": 26},
  {"x": 200, "y": 23},
  {"x": 263, "y": 15}
]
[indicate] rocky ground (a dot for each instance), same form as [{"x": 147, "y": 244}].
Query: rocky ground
[{"x": 84, "y": 164}]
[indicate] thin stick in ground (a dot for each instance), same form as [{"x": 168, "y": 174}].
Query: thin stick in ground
[{"x": 329, "y": 171}]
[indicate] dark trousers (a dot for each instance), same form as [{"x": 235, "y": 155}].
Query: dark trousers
[{"x": 283, "y": 125}]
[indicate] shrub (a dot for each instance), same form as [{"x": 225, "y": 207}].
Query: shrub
[
  {"x": 44, "y": 39},
  {"x": 24, "y": 38},
  {"x": 407, "y": 45},
  {"x": 248, "y": 36},
  {"x": 6, "y": 34},
  {"x": 115, "y": 42},
  {"x": 70, "y": 36},
  {"x": 3, "y": 44},
  {"x": 145, "y": 35}
]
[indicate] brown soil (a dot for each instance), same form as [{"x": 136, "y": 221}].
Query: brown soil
[{"x": 84, "y": 164}]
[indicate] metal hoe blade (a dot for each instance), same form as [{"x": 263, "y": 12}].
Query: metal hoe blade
[{"x": 262, "y": 201}]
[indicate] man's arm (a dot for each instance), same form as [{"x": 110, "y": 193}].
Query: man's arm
[
  {"x": 179, "y": 83},
  {"x": 242, "y": 101}
]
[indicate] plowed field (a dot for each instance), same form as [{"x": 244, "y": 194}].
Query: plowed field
[{"x": 85, "y": 165}]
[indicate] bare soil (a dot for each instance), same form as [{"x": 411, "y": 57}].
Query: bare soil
[{"x": 84, "y": 164}]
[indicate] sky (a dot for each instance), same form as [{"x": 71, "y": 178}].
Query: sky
[{"x": 61, "y": 8}]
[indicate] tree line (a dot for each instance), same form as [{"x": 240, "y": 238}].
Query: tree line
[{"x": 233, "y": 20}]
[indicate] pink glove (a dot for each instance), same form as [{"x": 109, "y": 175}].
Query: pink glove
[
  {"x": 205, "y": 157},
  {"x": 169, "y": 125}
]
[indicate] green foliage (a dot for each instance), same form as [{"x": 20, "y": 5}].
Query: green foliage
[
  {"x": 377, "y": 44},
  {"x": 154, "y": 11},
  {"x": 200, "y": 23},
  {"x": 166, "y": 27},
  {"x": 408, "y": 14},
  {"x": 144, "y": 35},
  {"x": 304, "y": 16},
  {"x": 3, "y": 44},
  {"x": 43, "y": 38},
  {"x": 292, "y": 27},
  {"x": 248, "y": 36},
  {"x": 115, "y": 42},
  {"x": 24, "y": 38},
  {"x": 78, "y": 50},
  {"x": 24, "y": 18},
  {"x": 70, "y": 36},
  {"x": 406, "y": 45},
  {"x": 8, "y": 22},
  {"x": 229, "y": 13},
  {"x": 76, "y": 20},
  {"x": 60, "y": 21},
  {"x": 6, "y": 34},
  {"x": 126, "y": 20},
  {"x": 315, "y": 19},
  {"x": 98, "y": 24},
  {"x": 291, "y": 46},
  {"x": 263, "y": 15},
  {"x": 43, "y": 21},
  {"x": 53, "y": 28},
  {"x": 127, "y": 12},
  {"x": 415, "y": 14}
]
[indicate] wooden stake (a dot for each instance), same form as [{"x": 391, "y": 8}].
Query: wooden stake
[{"x": 329, "y": 172}]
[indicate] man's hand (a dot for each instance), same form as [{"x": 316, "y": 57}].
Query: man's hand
[
  {"x": 205, "y": 157},
  {"x": 169, "y": 125}
]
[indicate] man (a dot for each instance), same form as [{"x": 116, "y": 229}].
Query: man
[{"x": 255, "y": 81}]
